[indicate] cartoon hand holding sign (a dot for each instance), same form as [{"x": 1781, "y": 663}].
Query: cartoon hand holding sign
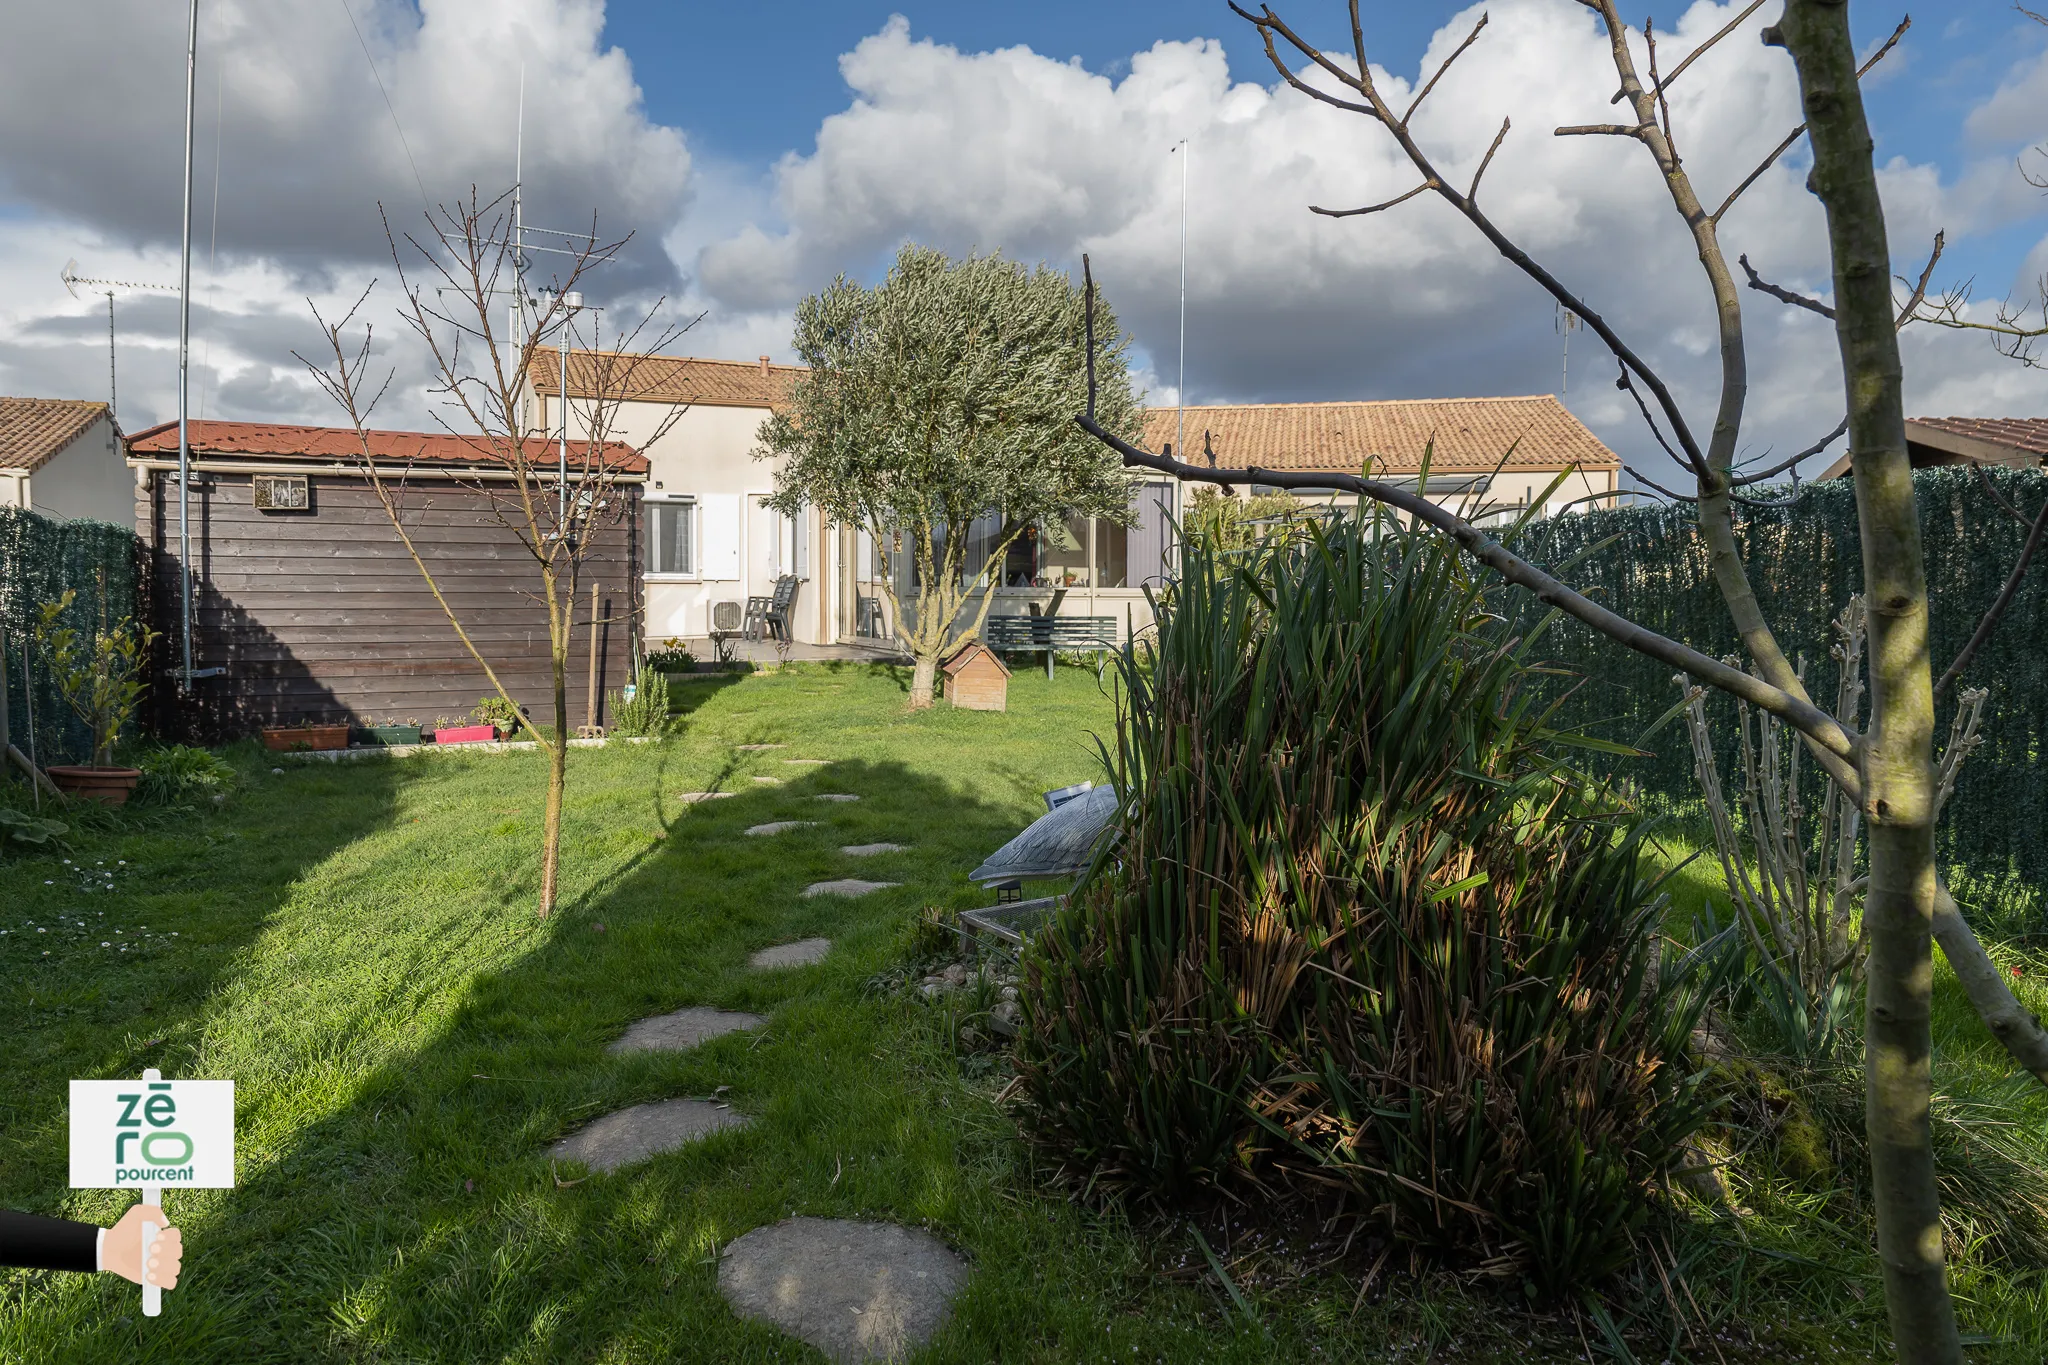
[{"x": 149, "y": 1135}]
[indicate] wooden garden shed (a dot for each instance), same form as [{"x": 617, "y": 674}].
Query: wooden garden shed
[
  {"x": 977, "y": 678},
  {"x": 306, "y": 600}
]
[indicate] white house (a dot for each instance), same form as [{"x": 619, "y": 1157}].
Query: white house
[
  {"x": 710, "y": 538},
  {"x": 62, "y": 457}
]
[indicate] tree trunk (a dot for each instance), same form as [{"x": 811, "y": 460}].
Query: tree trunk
[
  {"x": 1898, "y": 755},
  {"x": 921, "y": 680},
  {"x": 558, "y": 761}
]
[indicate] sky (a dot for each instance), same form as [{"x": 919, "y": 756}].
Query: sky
[{"x": 755, "y": 152}]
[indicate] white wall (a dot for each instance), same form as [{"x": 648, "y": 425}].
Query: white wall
[{"x": 88, "y": 478}]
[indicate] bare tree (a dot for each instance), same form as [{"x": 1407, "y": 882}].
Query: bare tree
[
  {"x": 1888, "y": 770},
  {"x": 553, "y": 506}
]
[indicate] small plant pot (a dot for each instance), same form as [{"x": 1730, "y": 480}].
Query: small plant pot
[
  {"x": 108, "y": 786},
  {"x": 390, "y": 734},
  {"x": 466, "y": 734},
  {"x": 304, "y": 738}
]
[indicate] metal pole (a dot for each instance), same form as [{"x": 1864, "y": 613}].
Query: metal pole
[
  {"x": 1180, "y": 433},
  {"x": 184, "y": 361},
  {"x": 591, "y": 708},
  {"x": 562, "y": 451},
  {"x": 113, "y": 389}
]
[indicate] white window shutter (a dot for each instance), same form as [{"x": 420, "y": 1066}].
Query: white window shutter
[{"x": 721, "y": 536}]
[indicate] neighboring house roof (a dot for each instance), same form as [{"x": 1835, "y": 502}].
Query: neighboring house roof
[
  {"x": 339, "y": 445},
  {"x": 32, "y": 430},
  {"x": 667, "y": 379},
  {"x": 1471, "y": 435},
  {"x": 1931, "y": 441}
]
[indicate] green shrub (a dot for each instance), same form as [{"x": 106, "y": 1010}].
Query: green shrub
[
  {"x": 671, "y": 658},
  {"x": 21, "y": 832},
  {"x": 499, "y": 712},
  {"x": 178, "y": 773},
  {"x": 647, "y": 712},
  {"x": 1361, "y": 930}
]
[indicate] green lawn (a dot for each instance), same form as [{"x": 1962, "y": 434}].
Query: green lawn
[{"x": 355, "y": 946}]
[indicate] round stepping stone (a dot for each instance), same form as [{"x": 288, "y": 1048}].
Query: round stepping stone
[
  {"x": 846, "y": 886},
  {"x": 684, "y": 1029},
  {"x": 855, "y": 1291},
  {"x": 645, "y": 1130},
  {"x": 801, "y": 953},
  {"x": 758, "y": 748},
  {"x": 808, "y": 762},
  {"x": 870, "y": 850},
  {"x": 771, "y": 781},
  {"x": 694, "y": 797},
  {"x": 779, "y": 827},
  {"x": 837, "y": 796}
]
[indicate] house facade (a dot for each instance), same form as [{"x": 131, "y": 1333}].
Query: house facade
[
  {"x": 709, "y": 538},
  {"x": 307, "y": 606},
  {"x": 62, "y": 457}
]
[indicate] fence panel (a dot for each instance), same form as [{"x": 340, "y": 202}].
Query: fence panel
[{"x": 40, "y": 557}]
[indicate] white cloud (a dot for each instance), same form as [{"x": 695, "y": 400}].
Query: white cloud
[{"x": 1039, "y": 158}]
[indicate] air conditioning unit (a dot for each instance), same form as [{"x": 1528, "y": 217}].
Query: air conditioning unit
[{"x": 725, "y": 616}]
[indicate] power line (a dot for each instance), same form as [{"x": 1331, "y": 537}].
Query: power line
[{"x": 421, "y": 184}]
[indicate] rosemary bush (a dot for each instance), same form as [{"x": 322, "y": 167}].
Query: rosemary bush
[{"x": 1362, "y": 932}]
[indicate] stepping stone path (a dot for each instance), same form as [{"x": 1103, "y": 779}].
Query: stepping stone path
[
  {"x": 801, "y": 953},
  {"x": 645, "y": 1130},
  {"x": 684, "y": 1029},
  {"x": 855, "y": 1291},
  {"x": 870, "y": 850},
  {"x": 771, "y": 781},
  {"x": 809, "y": 762},
  {"x": 846, "y": 886},
  {"x": 757, "y": 748},
  {"x": 837, "y": 796},
  {"x": 779, "y": 827},
  {"x": 694, "y": 797}
]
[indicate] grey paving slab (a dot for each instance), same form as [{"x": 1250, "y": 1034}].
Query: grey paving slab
[
  {"x": 694, "y": 797},
  {"x": 837, "y": 796},
  {"x": 771, "y": 781},
  {"x": 808, "y": 762},
  {"x": 870, "y": 850},
  {"x": 779, "y": 827},
  {"x": 684, "y": 1029},
  {"x": 758, "y": 748},
  {"x": 846, "y": 886},
  {"x": 799, "y": 954},
  {"x": 855, "y": 1291},
  {"x": 645, "y": 1130}
]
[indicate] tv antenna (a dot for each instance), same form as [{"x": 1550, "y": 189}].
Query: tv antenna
[
  {"x": 72, "y": 279},
  {"x": 1567, "y": 322}
]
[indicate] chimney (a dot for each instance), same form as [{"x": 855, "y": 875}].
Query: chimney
[{"x": 764, "y": 367}]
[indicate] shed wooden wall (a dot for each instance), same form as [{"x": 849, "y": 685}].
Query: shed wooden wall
[{"x": 321, "y": 615}]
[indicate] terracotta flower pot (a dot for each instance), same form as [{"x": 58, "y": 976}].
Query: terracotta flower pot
[
  {"x": 108, "y": 786},
  {"x": 303, "y": 737}
]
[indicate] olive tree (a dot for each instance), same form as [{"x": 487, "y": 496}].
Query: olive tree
[
  {"x": 941, "y": 395},
  {"x": 1884, "y": 762}
]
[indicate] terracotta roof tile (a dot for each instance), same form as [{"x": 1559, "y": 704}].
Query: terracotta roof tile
[
  {"x": 338, "y": 445},
  {"x": 1470, "y": 434},
  {"x": 34, "y": 429},
  {"x": 2029, "y": 434},
  {"x": 668, "y": 378}
]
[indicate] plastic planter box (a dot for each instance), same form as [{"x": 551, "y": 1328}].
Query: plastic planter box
[
  {"x": 391, "y": 734},
  {"x": 304, "y": 737},
  {"x": 466, "y": 734}
]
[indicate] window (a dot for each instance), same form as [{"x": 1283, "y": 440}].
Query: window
[{"x": 671, "y": 536}]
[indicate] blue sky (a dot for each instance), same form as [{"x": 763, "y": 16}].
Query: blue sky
[{"x": 756, "y": 150}]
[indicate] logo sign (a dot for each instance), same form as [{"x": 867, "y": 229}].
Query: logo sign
[{"x": 174, "y": 1134}]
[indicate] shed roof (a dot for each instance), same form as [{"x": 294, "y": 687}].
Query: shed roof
[
  {"x": 668, "y": 378},
  {"x": 339, "y": 445},
  {"x": 2021, "y": 442},
  {"x": 32, "y": 430},
  {"x": 1471, "y": 435}
]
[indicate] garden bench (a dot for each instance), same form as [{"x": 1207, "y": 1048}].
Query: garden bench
[{"x": 1048, "y": 634}]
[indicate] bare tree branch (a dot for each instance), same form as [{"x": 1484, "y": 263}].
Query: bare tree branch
[
  {"x": 1358, "y": 43},
  {"x": 1764, "y": 286},
  {"x": 1701, "y": 50},
  {"x": 1796, "y": 133},
  {"x": 1816, "y": 448},
  {"x": 1375, "y": 208}
]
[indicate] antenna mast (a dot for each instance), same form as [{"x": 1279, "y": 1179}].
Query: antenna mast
[{"x": 184, "y": 369}]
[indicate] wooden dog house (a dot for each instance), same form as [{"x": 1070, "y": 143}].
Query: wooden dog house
[{"x": 977, "y": 678}]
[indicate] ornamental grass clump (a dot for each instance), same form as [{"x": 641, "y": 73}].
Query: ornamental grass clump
[{"x": 1362, "y": 933}]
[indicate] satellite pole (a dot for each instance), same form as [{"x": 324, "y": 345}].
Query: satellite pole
[
  {"x": 184, "y": 370},
  {"x": 1180, "y": 433},
  {"x": 1567, "y": 323}
]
